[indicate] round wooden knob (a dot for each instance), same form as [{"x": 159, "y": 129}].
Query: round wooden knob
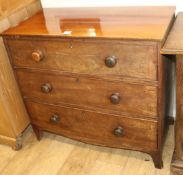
[
  {"x": 110, "y": 61},
  {"x": 115, "y": 98},
  {"x": 46, "y": 88},
  {"x": 54, "y": 119},
  {"x": 37, "y": 55},
  {"x": 118, "y": 131}
]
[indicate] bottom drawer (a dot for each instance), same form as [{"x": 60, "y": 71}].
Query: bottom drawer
[{"x": 95, "y": 127}]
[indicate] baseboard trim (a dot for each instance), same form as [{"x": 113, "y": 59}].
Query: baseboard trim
[{"x": 7, "y": 140}]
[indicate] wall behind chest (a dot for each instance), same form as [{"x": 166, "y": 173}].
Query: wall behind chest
[{"x": 94, "y": 3}]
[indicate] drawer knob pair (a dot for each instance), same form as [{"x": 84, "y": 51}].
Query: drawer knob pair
[
  {"x": 46, "y": 88},
  {"x": 119, "y": 131},
  {"x": 115, "y": 98},
  {"x": 37, "y": 55},
  {"x": 111, "y": 61},
  {"x": 54, "y": 119}
]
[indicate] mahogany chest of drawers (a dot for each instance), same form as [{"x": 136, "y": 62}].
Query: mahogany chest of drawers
[{"x": 95, "y": 74}]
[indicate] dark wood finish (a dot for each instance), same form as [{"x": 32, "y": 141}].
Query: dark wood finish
[
  {"x": 133, "y": 59},
  {"x": 179, "y": 111},
  {"x": 174, "y": 46},
  {"x": 177, "y": 160},
  {"x": 46, "y": 88},
  {"x": 119, "y": 131},
  {"x": 171, "y": 120},
  {"x": 120, "y": 97},
  {"x": 96, "y": 128},
  {"x": 162, "y": 110},
  {"x": 101, "y": 79},
  {"x": 55, "y": 118},
  {"x": 157, "y": 159},
  {"x": 111, "y": 61},
  {"x": 37, "y": 131}
]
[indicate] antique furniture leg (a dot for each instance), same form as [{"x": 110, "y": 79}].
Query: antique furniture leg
[
  {"x": 38, "y": 132},
  {"x": 103, "y": 86},
  {"x": 157, "y": 159},
  {"x": 174, "y": 46},
  {"x": 177, "y": 160}
]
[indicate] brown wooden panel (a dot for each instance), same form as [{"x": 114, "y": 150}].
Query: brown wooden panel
[
  {"x": 4, "y": 122},
  {"x": 179, "y": 109},
  {"x": 71, "y": 62},
  {"x": 96, "y": 128},
  {"x": 86, "y": 91},
  {"x": 88, "y": 57},
  {"x": 142, "y": 23},
  {"x": 11, "y": 141},
  {"x": 13, "y": 116},
  {"x": 174, "y": 46},
  {"x": 174, "y": 42},
  {"x": 10, "y": 6},
  {"x": 12, "y": 109},
  {"x": 177, "y": 161}
]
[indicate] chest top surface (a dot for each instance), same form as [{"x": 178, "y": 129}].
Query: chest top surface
[
  {"x": 174, "y": 42},
  {"x": 143, "y": 23}
]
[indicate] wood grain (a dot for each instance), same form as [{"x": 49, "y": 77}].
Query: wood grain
[
  {"x": 179, "y": 108},
  {"x": 74, "y": 84},
  {"x": 136, "y": 99},
  {"x": 99, "y": 128},
  {"x": 174, "y": 42},
  {"x": 133, "y": 59},
  {"x": 11, "y": 6},
  {"x": 151, "y": 23},
  {"x": 11, "y": 141},
  {"x": 4, "y": 130},
  {"x": 174, "y": 46},
  {"x": 13, "y": 116},
  {"x": 10, "y": 95},
  {"x": 61, "y": 155}
]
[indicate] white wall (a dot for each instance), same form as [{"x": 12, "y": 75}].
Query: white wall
[{"x": 89, "y": 3}]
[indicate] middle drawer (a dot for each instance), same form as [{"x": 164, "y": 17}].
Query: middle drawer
[{"x": 88, "y": 92}]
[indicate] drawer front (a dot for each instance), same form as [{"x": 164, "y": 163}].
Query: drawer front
[
  {"x": 112, "y": 58},
  {"x": 91, "y": 93},
  {"x": 96, "y": 128}
]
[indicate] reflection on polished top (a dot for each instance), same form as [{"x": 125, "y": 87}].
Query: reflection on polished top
[{"x": 149, "y": 23}]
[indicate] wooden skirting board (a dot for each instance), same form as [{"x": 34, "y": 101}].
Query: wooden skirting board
[{"x": 15, "y": 143}]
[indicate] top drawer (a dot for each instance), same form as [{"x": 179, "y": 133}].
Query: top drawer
[{"x": 94, "y": 57}]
